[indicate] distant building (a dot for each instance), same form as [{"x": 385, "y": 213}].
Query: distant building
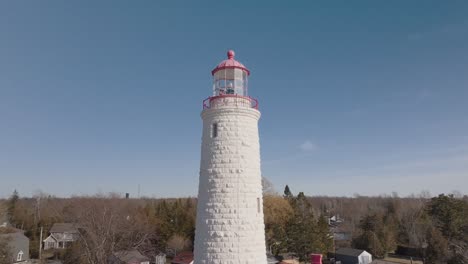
[
  {"x": 335, "y": 220},
  {"x": 353, "y": 256},
  {"x": 17, "y": 242},
  {"x": 341, "y": 235},
  {"x": 61, "y": 236},
  {"x": 339, "y": 229},
  {"x": 128, "y": 257}
]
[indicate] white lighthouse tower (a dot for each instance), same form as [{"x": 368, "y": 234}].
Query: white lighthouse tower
[{"x": 230, "y": 227}]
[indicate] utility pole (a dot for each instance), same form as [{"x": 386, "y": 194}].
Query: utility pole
[{"x": 40, "y": 247}]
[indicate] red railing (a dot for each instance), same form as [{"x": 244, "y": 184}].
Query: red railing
[{"x": 252, "y": 102}]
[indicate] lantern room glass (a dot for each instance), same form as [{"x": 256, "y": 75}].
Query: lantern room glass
[{"x": 230, "y": 81}]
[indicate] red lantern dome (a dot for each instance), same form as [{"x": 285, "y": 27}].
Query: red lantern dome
[{"x": 230, "y": 63}]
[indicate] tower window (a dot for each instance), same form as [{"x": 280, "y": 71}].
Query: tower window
[{"x": 214, "y": 130}]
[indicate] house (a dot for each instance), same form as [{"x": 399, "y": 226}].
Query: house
[
  {"x": 61, "y": 236},
  {"x": 335, "y": 220},
  {"x": 353, "y": 256},
  {"x": 342, "y": 235},
  {"x": 183, "y": 258},
  {"x": 128, "y": 257},
  {"x": 17, "y": 242}
]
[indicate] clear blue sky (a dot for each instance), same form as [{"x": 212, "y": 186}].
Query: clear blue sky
[{"x": 100, "y": 96}]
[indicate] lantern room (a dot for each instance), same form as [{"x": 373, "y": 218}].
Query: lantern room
[{"x": 230, "y": 77}]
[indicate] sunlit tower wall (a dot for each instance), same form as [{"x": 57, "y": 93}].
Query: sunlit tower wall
[{"x": 230, "y": 227}]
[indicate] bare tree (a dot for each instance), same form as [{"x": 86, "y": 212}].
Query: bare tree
[
  {"x": 267, "y": 187},
  {"x": 178, "y": 243},
  {"x": 109, "y": 225}
]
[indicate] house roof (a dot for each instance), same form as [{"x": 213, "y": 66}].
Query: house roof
[
  {"x": 17, "y": 240},
  {"x": 49, "y": 238},
  {"x": 14, "y": 235},
  {"x": 349, "y": 252},
  {"x": 230, "y": 63},
  {"x": 183, "y": 258},
  {"x": 64, "y": 228},
  {"x": 9, "y": 230},
  {"x": 129, "y": 256}
]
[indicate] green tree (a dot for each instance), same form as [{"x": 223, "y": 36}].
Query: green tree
[
  {"x": 437, "y": 247},
  {"x": 378, "y": 233},
  {"x": 11, "y": 207},
  {"x": 278, "y": 212},
  {"x": 287, "y": 192},
  {"x": 176, "y": 217},
  {"x": 323, "y": 239},
  {"x": 304, "y": 233},
  {"x": 300, "y": 233},
  {"x": 449, "y": 215},
  {"x": 368, "y": 239},
  {"x": 388, "y": 232}
]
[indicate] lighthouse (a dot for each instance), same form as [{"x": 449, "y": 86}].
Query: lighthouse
[{"x": 229, "y": 226}]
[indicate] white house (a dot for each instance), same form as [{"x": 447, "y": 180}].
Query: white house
[{"x": 61, "y": 236}]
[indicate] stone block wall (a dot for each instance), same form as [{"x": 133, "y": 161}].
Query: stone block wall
[{"x": 230, "y": 227}]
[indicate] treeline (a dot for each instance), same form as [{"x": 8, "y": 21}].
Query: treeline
[
  {"x": 107, "y": 224},
  {"x": 436, "y": 229},
  {"x": 432, "y": 228}
]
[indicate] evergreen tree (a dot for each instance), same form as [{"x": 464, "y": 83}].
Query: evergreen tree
[
  {"x": 301, "y": 228},
  {"x": 369, "y": 239},
  {"x": 11, "y": 206},
  {"x": 323, "y": 239},
  {"x": 300, "y": 234},
  {"x": 388, "y": 232},
  {"x": 287, "y": 192},
  {"x": 437, "y": 248},
  {"x": 449, "y": 216}
]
